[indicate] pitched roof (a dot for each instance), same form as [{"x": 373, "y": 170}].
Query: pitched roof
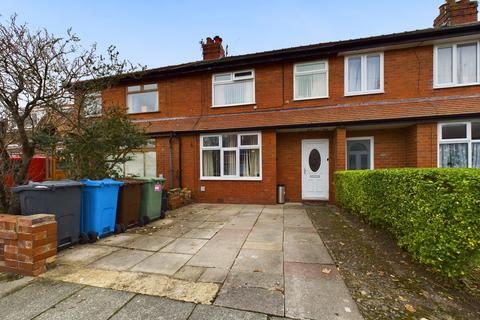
[
  {"x": 341, "y": 114},
  {"x": 326, "y": 48}
]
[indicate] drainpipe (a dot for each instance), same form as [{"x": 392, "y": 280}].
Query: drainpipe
[
  {"x": 171, "y": 159},
  {"x": 179, "y": 162}
]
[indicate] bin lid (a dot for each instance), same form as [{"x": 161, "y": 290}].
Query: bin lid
[
  {"x": 151, "y": 179},
  {"x": 100, "y": 183},
  {"x": 132, "y": 181},
  {"x": 47, "y": 185}
]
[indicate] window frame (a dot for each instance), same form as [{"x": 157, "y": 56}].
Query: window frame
[
  {"x": 468, "y": 140},
  {"x": 295, "y": 73},
  {"x": 372, "y": 150},
  {"x": 142, "y": 90},
  {"x": 94, "y": 96},
  {"x": 237, "y": 149},
  {"x": 454, "y": 46},
  {"x": 233, "y": 80},
  {"x": 363, "y": 65}
]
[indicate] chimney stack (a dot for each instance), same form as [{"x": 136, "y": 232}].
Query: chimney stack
[
  {"x": 213, "y": 48},
  {"x": 457, "y": 12}
]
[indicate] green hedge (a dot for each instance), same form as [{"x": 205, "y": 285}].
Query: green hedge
[{"x": 433, "y": 213}]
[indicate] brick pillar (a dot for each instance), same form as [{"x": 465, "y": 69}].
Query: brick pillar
[
  {"x": 422, "y": 145},
  {"x": 29, "y": 243},
  {"x": 339, "y": 158}
]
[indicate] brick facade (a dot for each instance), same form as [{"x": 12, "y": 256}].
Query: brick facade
[{"x": 402, "y": 120}]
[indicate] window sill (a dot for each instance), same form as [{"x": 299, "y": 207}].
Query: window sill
[
  {"x": 311, "y": 98},
  {"x": 234, "y": 105},
  {"x": 365, "y": 93},
  {"x": 456, "y": 85},
  {"x": 230, "y": 179},
  {"x": 146, "y": 112}
]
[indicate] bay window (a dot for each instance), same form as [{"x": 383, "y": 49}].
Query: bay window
[
  {"x": 364, "y": 74},
  {"x": 311, "y": 80},
  {"x": 459, "y": 145},
  {"x": 142, "y": 98},
  {"x": 457, "y": 64},
  {"x": 230, "y": 156},
  {"x": 234, "y": 88}
]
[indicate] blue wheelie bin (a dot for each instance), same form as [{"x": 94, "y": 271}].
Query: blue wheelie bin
[{"x": 99, "y": 208}]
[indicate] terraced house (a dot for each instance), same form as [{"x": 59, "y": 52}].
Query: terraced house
[{"x": 232, "y": 128}]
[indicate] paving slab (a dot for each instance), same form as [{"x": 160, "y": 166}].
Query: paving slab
[
  {"x": 231, "y": 238},
  {"x": 274, "y": 246},
  {"x": 266, "y": 261},
  {"x": 297, "y": 220},
  {"x": 262, "y": 280},
  {"x": 13, "y": 283},
  {"x": 85, "y": 254},
  {"x": 150, "y": 242},
  {"x": 305, "y": 248},
  {"x": 122, "y": 259},
  {"x": 214, "y": 256},
  {"x": 189, "y": 273},
  {"x": 244, "y": 223},
  {"x": 88, "y": 303},
  {"x": 186, "y": 246},
  {"x": 118, "y": 240},
  {"x": 321, "y": 299},
  {"x": 200, "y": 233},
  {"x": 212, "y": 225},
  {"x": 252, "y": 299},
  {"x": 215, "y": 275},
  {"x": 144, "y": 307},
  {"x": 266, "y": 235},
  {"x": 163, "y": 263},
  {"x": 35, "y": 299},
  {"x": 217, "y": 313}
]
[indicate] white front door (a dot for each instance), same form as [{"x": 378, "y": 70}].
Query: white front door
[{"x": 315, "y": 169}]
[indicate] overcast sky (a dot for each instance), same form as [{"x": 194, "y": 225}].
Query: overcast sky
[{"x": 158, "y": 33}]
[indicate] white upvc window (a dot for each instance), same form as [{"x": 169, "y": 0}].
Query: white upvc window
[
  {"x": 231, "y": 156},
  {"x": 233, "y": 88},
  {"x": 142, "y": 98},
  {"x": 364, "y": 74},
  {"x": 456, "y": 64},
  {"x": 360, "y": 153},
  {"x": 459, "y": 144},
  {"x": 310, "y": 80}
]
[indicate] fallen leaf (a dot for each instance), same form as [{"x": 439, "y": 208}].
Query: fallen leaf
[
  {"x": 410, "y": 308},
  {"x": 402, "y": 298},
  {"x": 326, "y": 270}
]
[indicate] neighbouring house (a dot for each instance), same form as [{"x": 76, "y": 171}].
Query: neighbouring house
[{"x": 232, "y": 128}]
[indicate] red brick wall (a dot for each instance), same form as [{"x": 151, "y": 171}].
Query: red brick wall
[
  {"x": 408, "y": 74},
  {"x": 222, "y": 191}
]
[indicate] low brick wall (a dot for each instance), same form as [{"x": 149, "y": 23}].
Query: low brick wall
[{"x": 28, "y": 244}]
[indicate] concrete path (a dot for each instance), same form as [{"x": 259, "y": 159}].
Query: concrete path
[{"x": 231, "y": 261}]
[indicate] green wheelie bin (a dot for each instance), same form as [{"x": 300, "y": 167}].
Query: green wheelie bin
[{"x": 151, "y": 207}]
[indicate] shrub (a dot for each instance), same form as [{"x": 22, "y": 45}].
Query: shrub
[{"x": 433, "y": 213}]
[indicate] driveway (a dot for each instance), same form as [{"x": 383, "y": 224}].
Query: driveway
[{"x": 268, "y": 260}]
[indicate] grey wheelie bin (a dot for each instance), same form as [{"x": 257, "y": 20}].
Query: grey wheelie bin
[{"x": 61, "y": 198}]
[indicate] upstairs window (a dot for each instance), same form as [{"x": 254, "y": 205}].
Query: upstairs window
[
  {"x": 93, "y": 104},
  {"x": 364, "y": 74},
  {"x": 311, "y": 80},
  {"x": 231, "y": 89},
  {"x": 142, "y": 98},
  {"x": 231, "y": 156},
  {"x": 457, "y": 65},
  {"x": 459, "y": 145}
]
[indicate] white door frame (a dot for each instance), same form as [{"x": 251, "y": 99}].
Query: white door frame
[{"x": 325, "y": 162}]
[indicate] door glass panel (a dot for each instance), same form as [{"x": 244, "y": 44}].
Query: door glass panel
[{"x": 314, "y": 160}]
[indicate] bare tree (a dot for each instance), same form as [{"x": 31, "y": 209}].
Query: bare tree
[{"x": 42, "y": 74}]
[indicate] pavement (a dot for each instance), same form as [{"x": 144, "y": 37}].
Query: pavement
[{"x": 204, "y": 261}]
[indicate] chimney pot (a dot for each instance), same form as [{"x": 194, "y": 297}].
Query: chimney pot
[
  {"x": 213, "y": 48},
  {"x": 457, "y": 12}
]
